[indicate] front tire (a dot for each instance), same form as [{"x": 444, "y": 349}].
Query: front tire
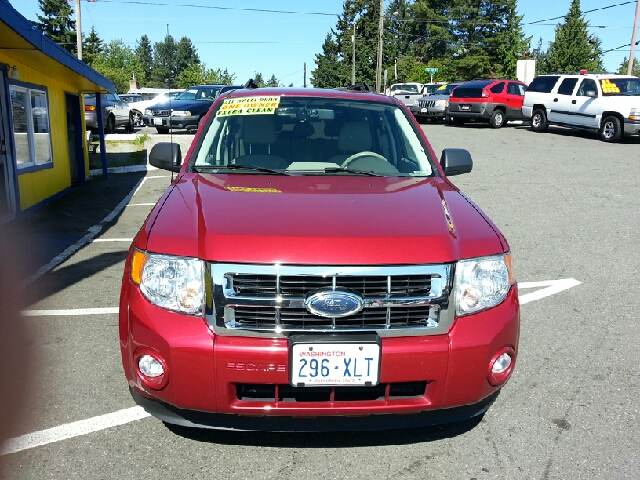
[
  {"x": 611, "y": 129},
  {"x": 110, "y": 126},
  {"x": 497, "y": 119},
  {"x": 539, "y": 120},
  {"x": 129, "y": 126}
]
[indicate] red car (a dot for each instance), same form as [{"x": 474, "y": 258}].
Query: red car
[
  {"x": 312, "y": 268},
  {"x": 493, "y": 101}
]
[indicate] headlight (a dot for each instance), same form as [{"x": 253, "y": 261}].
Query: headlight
[
  {"x": 174, "y": 283},
  {"x": 482, "y": 283},
  {"x": 180, "y": 113},
  {"x": 635, "y": 114}
]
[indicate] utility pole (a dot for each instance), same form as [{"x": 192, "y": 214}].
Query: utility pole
[
  {"x": 632, "y": 54},
  {"x": 79, "y": 29},
  {"x": 353, "y": 55},
  {"x": 380, "y": 35},
  {"x": 305, "y": 75}
]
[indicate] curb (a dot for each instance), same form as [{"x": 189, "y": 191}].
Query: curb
[{"x": 123, "y": 169}]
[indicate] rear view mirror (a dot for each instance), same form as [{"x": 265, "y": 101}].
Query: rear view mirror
[
  {"x": 456, "y": 161},
  {"x": 166, "y": 156}
]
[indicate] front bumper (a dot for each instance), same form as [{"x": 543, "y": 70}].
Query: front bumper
[
  {"x": 631, "y": 127},
  {"x": 207, "y": 372},
  {"x": 174, "y": 122}
]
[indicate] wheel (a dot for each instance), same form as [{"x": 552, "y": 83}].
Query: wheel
[
  {"x": 129, "y": 126},
  {"x": 539, "y": 120},
  {"x": 110, "y": 126},
  {"x": 497, "y": 119},
  {"x": 162, "y": 130},
  {"x": 611, "y": 130},
  {"x": 137, "y": 118}
]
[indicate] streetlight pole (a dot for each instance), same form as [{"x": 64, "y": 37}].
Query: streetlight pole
[
  {"x": 632, "y": 54},
  {"x": 380, "y": 36}
]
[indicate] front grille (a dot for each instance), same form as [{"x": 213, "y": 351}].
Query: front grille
[
  {"x": 272, "y": 299},
  {"x": 286, "y": 393},
  {"x": 160, "y": 113},
  {"x": 427, "y": 103}
]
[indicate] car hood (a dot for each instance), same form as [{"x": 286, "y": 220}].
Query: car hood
[
  {"x": 183, "y": 105},
  {"x": 318, "y": 220}
]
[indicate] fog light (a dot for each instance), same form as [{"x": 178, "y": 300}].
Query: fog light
[
  {"x": 150, "y": 367},
  {"x": 501, "y": 366}
]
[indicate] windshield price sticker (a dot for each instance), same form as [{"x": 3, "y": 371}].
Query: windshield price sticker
[
  {"x": 249, "y": 106},
  {"x": 335, "y": 364}
]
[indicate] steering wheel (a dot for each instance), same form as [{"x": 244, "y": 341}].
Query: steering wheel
[{"x": 369, "y": 162}]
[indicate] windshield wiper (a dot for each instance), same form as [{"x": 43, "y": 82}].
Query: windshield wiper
[
  {"x": 351, "y": 170},
  {"x": 234, "y": 166}
]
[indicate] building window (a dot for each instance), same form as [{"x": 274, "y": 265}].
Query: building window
[{"x": 31, "y": 130}]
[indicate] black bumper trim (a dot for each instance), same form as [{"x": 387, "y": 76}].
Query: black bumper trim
[{"x": 276, "y": 423}]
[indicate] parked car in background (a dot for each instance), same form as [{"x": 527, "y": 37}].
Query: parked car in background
[
  {"x": 407, "y": 93},
  {"x": 135, "y": 101},
  {"x": 603, "y": 103},
  {"x": 115, "y": 113},
  {"x": 493, "y": 101},
  {"x": 144, "y": 106},
  {"x": 431, "y": 88},
  {"x": 187, "y": 109},
  {"x": 283, "y": 283},
  {"x": 435, "y": 105}
]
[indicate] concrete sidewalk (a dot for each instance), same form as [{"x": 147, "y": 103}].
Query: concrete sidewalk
[{"x": 43, "y": 234}]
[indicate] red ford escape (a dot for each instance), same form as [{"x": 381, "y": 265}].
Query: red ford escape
[
  {"x": 492, "y": 101},
  {"x": 312, "y": 268}
]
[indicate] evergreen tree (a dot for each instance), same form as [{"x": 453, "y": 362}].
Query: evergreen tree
[
  {"x": 186, "y": 55},
  {"x": 325, "y": 74},
  {"x": 635, "y": 69},
  {"x": 573, "y": 48},
  {"x": 199, "y": 74},
  {"x": 272, "y": 82},
  {"x": 91, "y": 47},
  {"x": 540, "y": 56},
  {"x": 144, "y": 53},
  {"x": 56, "y": 23},
  {"x": 164, "y": 72}
]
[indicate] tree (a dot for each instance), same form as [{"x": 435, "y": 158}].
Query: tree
[
  {"x": 164, "y": 72},
  {"x": 540, "y": 56},
  {"x": 91, "y": 47},
  {"x": 199, "y": 74},
  {"x": 635, "y": 69},
  {"x": 56, "y": 23},
  {"x": 119, "y": 64},
  {"x": 186, "y": 55},
  {"x": 573, "y": 48},
  {"x": 144, "y": 53},
  {"x": 272, "y": 82},
  {"x": 325, "y": 74}
]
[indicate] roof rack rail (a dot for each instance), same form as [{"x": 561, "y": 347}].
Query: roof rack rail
[
  {"x": 357, "y": 87},
  {"x": 251, "y": 85}
]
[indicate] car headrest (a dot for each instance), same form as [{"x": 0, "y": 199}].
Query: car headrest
[
  {"x": 259, "y": 130},
  {"x": 354, "y": 137}
]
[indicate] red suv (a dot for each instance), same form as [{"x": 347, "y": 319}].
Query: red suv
[
  {"x": 312, "y": 267},
  {"x": 493, "y": 101}
]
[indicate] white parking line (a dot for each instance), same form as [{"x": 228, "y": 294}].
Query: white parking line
[
  {"x": 551, "y": 287},
  {"x": 70, "y": 430},
  {"x": 141, "y": 205},
  {"x": 99, "y": 240}
]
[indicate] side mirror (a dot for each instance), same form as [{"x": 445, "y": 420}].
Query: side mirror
[
  {"x": 591, "y": 93},
  {"x": 166, "y": 156},
  {"x": 456, "y": 161}
]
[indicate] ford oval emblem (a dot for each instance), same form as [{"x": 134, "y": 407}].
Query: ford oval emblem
[{"x": 333, "y": 303}]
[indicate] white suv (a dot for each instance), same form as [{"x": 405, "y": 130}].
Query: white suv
[{"x": 606, "y": 103}]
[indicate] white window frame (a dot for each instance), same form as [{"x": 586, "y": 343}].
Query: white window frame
[{"x": 31, "y": 133}]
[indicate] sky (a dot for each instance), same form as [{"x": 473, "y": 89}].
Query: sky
[{"x": 233, "y": 35}]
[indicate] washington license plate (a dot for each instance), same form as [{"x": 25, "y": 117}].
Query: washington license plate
[
  {"x": 315, "y": 364},
  {"x": 464, "y": 107},
  {"x": 157, "y": 121}
]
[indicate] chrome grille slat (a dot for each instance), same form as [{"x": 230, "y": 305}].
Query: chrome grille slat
[{"x": 264, "y": 299}]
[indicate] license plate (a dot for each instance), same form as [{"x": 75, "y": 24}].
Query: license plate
[
  {"x": 464, "y": 107},
  {"x": 157, "y": 121},
  {"x": 423, "y": 110},
  {"x": 315, "y": 364}
]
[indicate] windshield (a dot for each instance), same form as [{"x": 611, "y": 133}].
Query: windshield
[
  {"x": 620, "y": 86},
  {"x": 201, "y": 93},
  {"x": 312, "y": 136},
  {"x": 405, "y": 88}
]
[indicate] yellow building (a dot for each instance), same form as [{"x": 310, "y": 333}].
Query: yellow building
[{"x": 43, "y": 146}]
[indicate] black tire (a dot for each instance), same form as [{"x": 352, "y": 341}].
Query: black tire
[
  {"x": 539, "y": 120},
  {"x": 611, "y": 129},
  {"x": 110, "y": 126},
  {"x": 129, "y": 126},
  {"x": 162, "y": 130},
  {"x": 497, "y": 119}
]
